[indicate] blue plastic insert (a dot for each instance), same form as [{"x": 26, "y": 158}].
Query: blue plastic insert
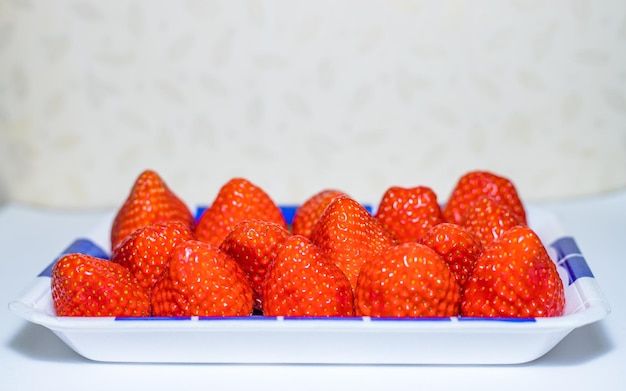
[
  {"x": 82, "y": 246},
  {"x": 569, "y": 256}
]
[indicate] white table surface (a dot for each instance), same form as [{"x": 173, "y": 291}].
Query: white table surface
[{"x": 592, "y": 357}]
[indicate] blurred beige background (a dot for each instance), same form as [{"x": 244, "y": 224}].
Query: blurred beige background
[{"x": 300, "y": 96}]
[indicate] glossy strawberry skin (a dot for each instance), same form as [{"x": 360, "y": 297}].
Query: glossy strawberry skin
[
  {"x": 458, "y": 247},
  {"x": 310, "y": 211},
  {"x": 409, "y": 212},
  {"x": 253, "y": 244},
  {"x": 238, "y": 200},
  {"x": 349, "y": 235},
  {"x": 303, "y": 282},
  {"x": 475, "y": 184},
  {"x": 487, "y": 219},
  {"x": 202, "y": 280},
  {"x": 146, "y": 252},
  {"x": 83, "y": 285},
  {"x": 407, "y": 280},
  {"x": 514, "y": 277},
  {"x": 150, "y": 201}
]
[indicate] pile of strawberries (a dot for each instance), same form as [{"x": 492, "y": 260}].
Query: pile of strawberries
[{"x": 473, "y": 257}]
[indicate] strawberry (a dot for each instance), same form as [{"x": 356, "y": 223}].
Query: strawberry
[
  {"x": 150, "y": 201},
  {"x": 253, "y": 244},
  {"x": 514, "y": 277},
  {"x": 458, "y": 247},
  {"x": 487, "y": 219},
  {"x": 202, "y": 280},
  {"x": 237, "y": 200},
  {"x": 474, "y": 184},
  {"x": 303, "y": 282},
  {"x": 409, "y": 212},
  {"x": 147, "y": 250},
  {"x": 83, "y": 285},
  {"x": 310, "y": 211},
  {"x": 407, "y": 280},
  {"x": 349, "y": 235}
]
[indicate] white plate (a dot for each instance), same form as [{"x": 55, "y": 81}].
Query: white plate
[{"x": 358, "y": 340}]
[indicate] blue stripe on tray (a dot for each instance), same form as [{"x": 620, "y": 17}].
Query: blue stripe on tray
[
  {"x": 422, "y": 319},
  {"x": 244, "y": 318},
  {"x": 82, "y": 246},
  {"x": 308, "y": 318},
  {"x": 569, "y": 257},
  {"x": 152, "y": 318},
  {"x": 289, "y": 211},
  {"x": 484, "y": 319},
  {"x": 227, "y": 318}
]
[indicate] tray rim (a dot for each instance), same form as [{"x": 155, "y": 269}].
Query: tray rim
[{"x": 28, "y": 305}]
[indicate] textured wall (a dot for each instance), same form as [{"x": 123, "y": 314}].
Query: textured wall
[{"x": 300, "y": 96}]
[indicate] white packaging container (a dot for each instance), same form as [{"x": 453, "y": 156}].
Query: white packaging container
[{"x": 358, "y": 340}]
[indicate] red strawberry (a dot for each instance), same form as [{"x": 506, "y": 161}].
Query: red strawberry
[
  {"x": 253, "y": 244},
  {"x": 83, "y": 285},
  {"x": 407, "y": 280},
  {"x": 150, "y": 201},
  {"x": 237, "y": 200},
  {"x": 409, "y": 212},
  {"x": 310, "y": 211},
  {"x": 487, "y": 219},
  {"x": 202, "y": 280},
  {"x": 458, "y": 247},
  {"x": 349, "y": 235},
  {"x": 147, "y": 250},
  {"x": 514, "y": 277},
  {"x": 475, "y": 184},
  {"x": 303, "y": 282}
]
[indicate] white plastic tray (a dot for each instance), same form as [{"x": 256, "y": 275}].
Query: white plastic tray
[{"x": 360, "y": 340}]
